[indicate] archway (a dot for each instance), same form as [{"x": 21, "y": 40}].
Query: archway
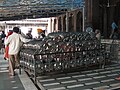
[
  {"x": 59, "y": 24},
  {"x": 79, "y": 22},
  {"x": 64, "y": 23},
  {"x": 117, "y": 13},
  {"x": 71, "y": 23}
]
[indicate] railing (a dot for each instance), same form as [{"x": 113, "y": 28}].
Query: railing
[{"x": 37, "y": 64}]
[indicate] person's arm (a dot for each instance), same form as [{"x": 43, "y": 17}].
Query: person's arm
[
  {"x": 23, "y": 35},
  {"x": 24, "y": 39}
]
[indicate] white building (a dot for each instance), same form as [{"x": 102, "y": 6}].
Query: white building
[{"x": 26, "y": 24}]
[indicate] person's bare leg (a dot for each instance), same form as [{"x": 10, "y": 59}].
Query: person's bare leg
[
  {"x": 118, "y": 78},
  {"x": 11, "y": 72}
]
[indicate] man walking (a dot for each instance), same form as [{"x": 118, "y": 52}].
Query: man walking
[{"x": 14, "y": 42}]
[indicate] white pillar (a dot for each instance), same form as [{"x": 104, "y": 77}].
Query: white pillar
[
  {"x": 83, "y": 18},
  {"x": 50, "y": 24},
  {"x": 56, "y": 24}
]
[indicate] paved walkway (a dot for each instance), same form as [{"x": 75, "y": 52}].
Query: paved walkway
[
  {"x": 97, "y": 79},
  {"x": 17, "y": 82}
]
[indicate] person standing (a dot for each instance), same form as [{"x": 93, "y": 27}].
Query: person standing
[
  {"x": 14, "y": 42},
  {"x": 97, "y": 34},
  {"x": 29, "y": 35},
  {"x": 43, "y": 34},
  {"x": 114, "y": 25},
  {"x": 114, "y": 28},
  {"x": 3, "y": 35},
  {"x": 6, "y": 55},
  {"x": 116, "y": 34}
]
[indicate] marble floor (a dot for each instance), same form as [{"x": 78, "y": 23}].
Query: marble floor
[
  {"x": 95, "y": 79},
  {"x": 17, "y": 82}
]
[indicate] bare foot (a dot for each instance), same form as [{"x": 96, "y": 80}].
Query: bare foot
[
  {"x": 118, "y": 78},
  {"x": 12, "y": 74}
]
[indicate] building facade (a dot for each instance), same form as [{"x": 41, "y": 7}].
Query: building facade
[{"x": 98, "y": 14}]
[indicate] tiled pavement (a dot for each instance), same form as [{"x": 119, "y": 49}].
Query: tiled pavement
[
  {"x": 10, "y": 83},
  {"x": 17, "y": 82},
  {"x": 97, "y": 79}
]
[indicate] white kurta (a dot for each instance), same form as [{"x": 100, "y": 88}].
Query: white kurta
[{"x": 14, "y": 42}]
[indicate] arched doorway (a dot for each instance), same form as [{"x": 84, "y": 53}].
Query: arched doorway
[
  {"x": 64, "y": 23},
  {"x": 59, "y": 24},
  {"x": 117, "y": 14},
  {"x": 79, "y": 22},
  {"x": 71, "y": 23}
]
